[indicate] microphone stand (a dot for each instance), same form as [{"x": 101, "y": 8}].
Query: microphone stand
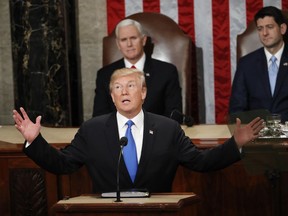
[
  {"x": 118, "y": 181},
  {"x": 123, "y": 142}
]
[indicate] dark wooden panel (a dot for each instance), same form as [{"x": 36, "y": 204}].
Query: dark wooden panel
[
  {"x": 25, "y": 188},
  {"x": 28, "y": 192}
]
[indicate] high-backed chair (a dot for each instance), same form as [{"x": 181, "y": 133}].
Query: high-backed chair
[
  {"x": 166, "y": 42},
  {"x": 249, "y": 41}
]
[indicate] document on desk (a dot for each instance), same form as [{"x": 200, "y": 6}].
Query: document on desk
[{"x": 126, "y": 194}]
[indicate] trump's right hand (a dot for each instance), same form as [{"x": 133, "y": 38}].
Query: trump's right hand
[{"x": 25, "y": 126}]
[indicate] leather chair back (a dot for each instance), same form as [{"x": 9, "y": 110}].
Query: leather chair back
[{"x": 165, "y": 42}]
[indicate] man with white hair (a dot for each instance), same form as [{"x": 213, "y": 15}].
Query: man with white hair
[{"x": 163, "y": 88}]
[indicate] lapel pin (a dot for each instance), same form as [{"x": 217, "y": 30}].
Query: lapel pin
[
  {"x": 147, "y": 74},
  {"x": 151, "y": 132},
  {"x": 285, "y": 64}
]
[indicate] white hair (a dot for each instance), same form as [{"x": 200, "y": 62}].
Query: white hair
[{"x": 127, "y": 22}]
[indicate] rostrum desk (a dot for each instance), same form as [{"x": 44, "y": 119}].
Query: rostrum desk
[
  {"x": 24, "y": 187},
  {"x": 158, "y": 204}
]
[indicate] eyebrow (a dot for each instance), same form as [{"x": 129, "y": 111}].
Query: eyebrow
[{"x": 131, "y": 81}]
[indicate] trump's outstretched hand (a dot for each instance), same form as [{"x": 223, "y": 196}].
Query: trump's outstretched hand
[
  {"x": 25, "y": 126},
  {"x": 249, "y": 132}
]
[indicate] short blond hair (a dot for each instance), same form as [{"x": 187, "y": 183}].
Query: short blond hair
[{"x": 125, "y": 72}]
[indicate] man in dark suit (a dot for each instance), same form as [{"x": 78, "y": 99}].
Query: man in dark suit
[
  {"x": 163, "y": 89},
  {"x": 253, "y": 86},
  {"x": 161, "y": 145}
]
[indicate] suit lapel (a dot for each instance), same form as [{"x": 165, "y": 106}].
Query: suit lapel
[
  {"x": 149, "y": 134},
  {"x": 112, "y": 136},
  {"x": 283, "y": 71},
  {"x": 148, "y": 70},
  {"x": 264, "y": 76}
]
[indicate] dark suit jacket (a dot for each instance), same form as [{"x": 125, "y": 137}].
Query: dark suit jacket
[
  {"x": 251, "y": 88},
  {"x": 96, "y": 145},
  {"x": 163, "y": 89}
]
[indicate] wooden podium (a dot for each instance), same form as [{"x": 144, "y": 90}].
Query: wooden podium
[
  {"x": 269, "y": 157},
  {"x": 181, "y": 204}
]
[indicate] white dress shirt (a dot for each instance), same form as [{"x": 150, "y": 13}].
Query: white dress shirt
[
  {"x": 277, "y": 55},
  {"x": 139, "y": 64},
  {"x": 137, "y": 130}
]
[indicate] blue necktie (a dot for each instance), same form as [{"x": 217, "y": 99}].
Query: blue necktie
[
  {"x": 130, "y": 155},
  {"x": 273, "y": 70}
]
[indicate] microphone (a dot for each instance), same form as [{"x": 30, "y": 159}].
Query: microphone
[
  {"x": 123, "y": 142},
  {"x": 182, "y": 118}
]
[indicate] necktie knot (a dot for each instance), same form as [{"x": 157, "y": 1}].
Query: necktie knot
[
  {"x": 129, "y": 123},
  {"x": 133, "y": 66},
  {"x": 273, "y": 59}
]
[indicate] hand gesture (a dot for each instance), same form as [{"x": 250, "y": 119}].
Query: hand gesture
[
  {"x": 25, "y": 126},
  {"x": 249, "y": 132}
]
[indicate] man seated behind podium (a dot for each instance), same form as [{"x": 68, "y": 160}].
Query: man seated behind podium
[
  {"x": 256, "y": 85},
  {"x": 160, "y": 143},
  {"x": 163, "y": 88}
]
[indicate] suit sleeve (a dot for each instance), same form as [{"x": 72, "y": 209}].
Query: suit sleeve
[
  {"x": 239, "y": 99},
  {"x": 211, "y": 159},
  {"x": 56, "y": 161}
]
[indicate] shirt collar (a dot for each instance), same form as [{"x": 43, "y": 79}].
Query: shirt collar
[
  {"x": 277, "y": 54},
  {"x": 138, "y": 120},
  {"x": 139, "y": 64}
]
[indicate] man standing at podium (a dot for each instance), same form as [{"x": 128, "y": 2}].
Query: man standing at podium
[{"x": 158, "y": 144}]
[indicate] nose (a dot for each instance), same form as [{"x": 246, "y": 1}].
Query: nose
[
  {"x": 129, "y": 43},
  {"x": 124, "y": 91},
  {"x": 265, "y": 31}
]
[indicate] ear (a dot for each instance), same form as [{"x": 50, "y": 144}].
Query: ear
[
  {"x": 144, "y": 39},
  {"x": 112, "y": 96},
  {"x": 144, "y": 93},
  {"x": 283, "y": 28}
]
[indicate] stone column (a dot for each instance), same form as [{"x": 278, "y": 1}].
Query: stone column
[
  {"x": 6, "y": 73},
  {"x": 40, "y": 47}
]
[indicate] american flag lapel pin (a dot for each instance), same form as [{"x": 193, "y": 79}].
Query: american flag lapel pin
[{"x": 151, "y": 132}]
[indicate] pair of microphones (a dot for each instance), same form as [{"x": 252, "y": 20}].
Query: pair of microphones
[{"x": 182, "y": 118}]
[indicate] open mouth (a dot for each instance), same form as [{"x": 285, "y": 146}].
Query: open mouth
[{"x": 125, "y": 101}]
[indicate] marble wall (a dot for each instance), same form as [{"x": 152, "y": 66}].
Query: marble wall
[
  {"x": 41, "y": 49},
  {"x": 92, "y": 29},
  {"x": 91, "y": 18},
  {"x": 6, "y": 72}
]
